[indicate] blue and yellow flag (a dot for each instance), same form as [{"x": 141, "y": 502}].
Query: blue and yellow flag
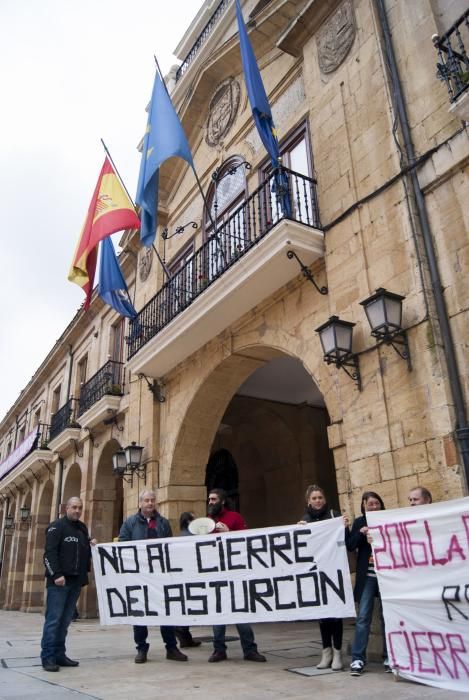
[
  {"x": 164, "y": 138},
  {"x": 112, "y": 287},
  {"x": 256, "y": 92}
]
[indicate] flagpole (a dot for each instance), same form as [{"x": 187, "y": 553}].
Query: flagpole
[
  {"x": 118, "y": 175},
  {"x": 163, "y": 264}
]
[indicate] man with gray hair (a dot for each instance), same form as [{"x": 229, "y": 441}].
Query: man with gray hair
[
  {"x": 420, "y": 496},
  {"x": 67, "y": 559},
  {"x": 147, "y": 523}
]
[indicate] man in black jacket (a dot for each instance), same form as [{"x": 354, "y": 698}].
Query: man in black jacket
[
  {"x": 147, "y": 523},
  {"x": 67, "y": 558}
]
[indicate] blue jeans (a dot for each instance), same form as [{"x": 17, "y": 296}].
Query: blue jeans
[
  {"x": 246, "y": 637},
  {"x": 141, "y": 635},
  {"x": 363, "y": 623},
  {"x": 60, "y": 610}
]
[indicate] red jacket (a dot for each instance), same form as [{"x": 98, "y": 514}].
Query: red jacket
[{"x": 232, "y": 520}]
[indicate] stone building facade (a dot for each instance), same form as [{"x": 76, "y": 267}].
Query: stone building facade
[{"x": 222, "y": 379}]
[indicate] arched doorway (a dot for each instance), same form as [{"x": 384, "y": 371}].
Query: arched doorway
[
  {"x": 107, "y": 502},
  {"x": 264, "y": 408},
  {"x": 72, "y": 484}
]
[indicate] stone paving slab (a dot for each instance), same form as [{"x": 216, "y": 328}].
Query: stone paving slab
[{"x": 107, "y": 670}]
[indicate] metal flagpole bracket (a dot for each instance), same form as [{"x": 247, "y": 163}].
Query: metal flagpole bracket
[{"x": 306, "y": 272}]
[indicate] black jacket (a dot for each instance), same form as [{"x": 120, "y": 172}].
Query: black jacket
[
  {"x": 67, "y": 551},
  {"x": 314, "y": 516},
  {"x": 356, "y": 542}
]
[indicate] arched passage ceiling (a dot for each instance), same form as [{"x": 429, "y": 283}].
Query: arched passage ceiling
[{"x": 284, "y": 379}]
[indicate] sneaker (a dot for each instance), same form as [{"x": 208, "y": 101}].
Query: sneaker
[
  {"x": 387, "y": 666},
  {"x": 141, "y": 657},
  {"x": 254, "y": 656},
  {"x": 175, "y": 655},
  {"x": 357, "y": 668},
  {"x": 217, "y": 656}
]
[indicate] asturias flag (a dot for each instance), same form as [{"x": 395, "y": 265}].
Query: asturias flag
[
  {"x": 164, "y": 138},
  {"x": 111, "y": 286},
  {"x": 256, "y": 92},
  {"x": 110, "y": 210}
]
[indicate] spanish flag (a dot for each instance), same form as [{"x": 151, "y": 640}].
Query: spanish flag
[{"x": 110, "y": 210}]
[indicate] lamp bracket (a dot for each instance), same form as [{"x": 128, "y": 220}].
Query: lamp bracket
[
  {"x": 77, "y": 449},
  {"x": 34, "y": 475},
  {"x": 156, "y": 388},
  {"x": 397, "y": 340},
  {"x": 306, "y": 272},
  {"x": 113, "y": 421},
  {"x": 92, "y": 437},
  {"x": 350, "y": 361}
]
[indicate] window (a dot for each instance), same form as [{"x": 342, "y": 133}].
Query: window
[
  {"x": 227, "y": 216},
  {"x": 183, "y": 279},
  {"x": 295, "y": 152},
  {"x": 117, "y": 340},
  {"x": 37, "y": 418},
  {"x": 82, "y": 369},
  {"x": 56, "y": 399}
]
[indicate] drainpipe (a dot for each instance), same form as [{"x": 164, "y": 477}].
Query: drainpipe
[
  {"x": 6, "y": 510},
  {"x": 462, "y": 427},
  {"x": 59, "y": 486}
]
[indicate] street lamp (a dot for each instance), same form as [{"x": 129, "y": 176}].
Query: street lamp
[
  {"x": 384, "y": 313},
  {"x": 336, "y": 340}
]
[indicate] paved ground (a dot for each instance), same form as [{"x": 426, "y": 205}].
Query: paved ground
[{"x": 107, "y": 669}]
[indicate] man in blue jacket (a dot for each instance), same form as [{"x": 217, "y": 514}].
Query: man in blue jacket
[
  {"x": 147, "y": 523},
  {"x": 67, "y": 558}
]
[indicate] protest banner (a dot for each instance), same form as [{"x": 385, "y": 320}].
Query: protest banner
[
  {"x": 421, "y": 557},
  {"x": 296, "y": 572}
]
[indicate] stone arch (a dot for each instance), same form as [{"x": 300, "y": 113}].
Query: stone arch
[
  {"x": 40, "y": 520},
  {"x": 107, "y": 497},
  {"x": 199, "y": 424},
  {"x": 72, "y": 483},
  {"x": 18, "y": 561}
]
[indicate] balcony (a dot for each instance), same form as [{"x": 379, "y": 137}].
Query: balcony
[
  {"x": 64, "y": 428},
  {"x": 201, "y": 39},
  {"x": 101, "y": 395},
  {"x": 234, "y": 270},
  {"x": 32, "y": 451},
  {"x": 453, "y": 65}
]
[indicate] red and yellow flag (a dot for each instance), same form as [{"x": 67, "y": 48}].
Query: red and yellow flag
[{"x": 110, "y": 210}]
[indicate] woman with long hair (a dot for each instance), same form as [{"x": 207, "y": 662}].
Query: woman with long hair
[
  {"x": 366, "y": 584},
  {"x": 332, "y": 627}
]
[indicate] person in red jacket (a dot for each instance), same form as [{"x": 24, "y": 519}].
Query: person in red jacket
[{"x": 228, "y": 521}]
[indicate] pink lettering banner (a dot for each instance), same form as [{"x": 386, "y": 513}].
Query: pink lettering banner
[{"x": 421, "y": 559}]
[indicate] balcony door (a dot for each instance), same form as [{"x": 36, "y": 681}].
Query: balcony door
[{"x": 227, "y": 219}]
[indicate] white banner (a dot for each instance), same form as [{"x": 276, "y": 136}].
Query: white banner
[
  {"x": 422, "y": 561},
  {"x": 19, "y": 453},
  {"x": 272, "y": 574}
]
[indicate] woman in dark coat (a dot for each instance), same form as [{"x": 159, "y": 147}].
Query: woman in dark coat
[
  {"x": 366, "y": 583},
  {"x": 332, "y": 627}
]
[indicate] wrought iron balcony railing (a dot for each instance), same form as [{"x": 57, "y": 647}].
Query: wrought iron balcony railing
[
  {"x": 453, "y": 67},
  {"x": 43, "y": 437},
  {"x": 284, "y": 194},
  {"x": 109, "y": 380},
  {"x": 201, "y": 39},
  {"x": 64, "y": 418}
]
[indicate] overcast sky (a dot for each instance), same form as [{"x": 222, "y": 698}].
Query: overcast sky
[{"x": 71, "y": 72}]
